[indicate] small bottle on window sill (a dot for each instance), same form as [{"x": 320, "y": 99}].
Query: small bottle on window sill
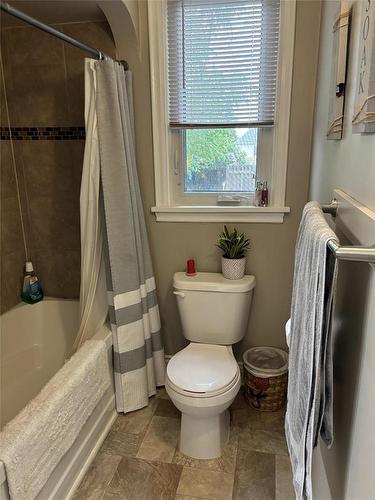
[
  {"x": 258, "y": 194},
  {"x": 264, "y": 202}
]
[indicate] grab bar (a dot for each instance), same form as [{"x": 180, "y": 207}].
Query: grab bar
[{"x": 352, "y": 253}]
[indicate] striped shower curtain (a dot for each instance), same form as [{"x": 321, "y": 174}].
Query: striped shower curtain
[{"x": 138, "y": 350}]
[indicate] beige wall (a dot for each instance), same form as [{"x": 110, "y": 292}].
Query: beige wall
[
  {"x": 271, "y": 256},
  {"x": 348, "y": 164},
  {"x": 44, "y": 83}
]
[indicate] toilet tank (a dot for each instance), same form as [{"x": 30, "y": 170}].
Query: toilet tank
[{"x": 213, "y": 309}]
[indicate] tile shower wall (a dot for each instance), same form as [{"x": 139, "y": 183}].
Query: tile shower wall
[{"x": 40, "y": 178}]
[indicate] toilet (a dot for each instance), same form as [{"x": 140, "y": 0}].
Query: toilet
[{"x": 203, "y": 379}]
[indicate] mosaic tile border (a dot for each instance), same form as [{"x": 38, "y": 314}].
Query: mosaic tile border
[{"x": 42, "y": 133}]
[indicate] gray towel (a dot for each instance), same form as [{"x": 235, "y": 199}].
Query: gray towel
[{"x": 309, "y": 409}]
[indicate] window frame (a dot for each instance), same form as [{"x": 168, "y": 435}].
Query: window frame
[{"x": 165, "y": 209}]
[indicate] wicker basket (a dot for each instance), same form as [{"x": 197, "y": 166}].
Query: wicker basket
[
  {"x": 266, "y": 394},
  {"x": 265, "y": 389}
]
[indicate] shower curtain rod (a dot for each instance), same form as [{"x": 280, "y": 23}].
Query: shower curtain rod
[{"x": 98, "y": 54}]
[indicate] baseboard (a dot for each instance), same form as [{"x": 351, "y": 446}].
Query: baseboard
[{"x": 167, "y": 357}]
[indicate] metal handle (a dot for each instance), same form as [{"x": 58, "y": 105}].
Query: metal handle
[
  {"x": 180, "y": 294},
  {"x": 330, "y": 208},
  {"x": 351, "y": 253}
]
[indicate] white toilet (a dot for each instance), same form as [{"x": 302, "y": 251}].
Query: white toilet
[{"x": 203, "y": 379}]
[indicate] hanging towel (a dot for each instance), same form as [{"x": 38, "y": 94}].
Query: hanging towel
[
  {"x": 33, "y": 443},
  {"x": 309, "y": 408}
]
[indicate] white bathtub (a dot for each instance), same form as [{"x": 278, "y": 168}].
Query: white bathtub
[{"x": 35, "y": 341}]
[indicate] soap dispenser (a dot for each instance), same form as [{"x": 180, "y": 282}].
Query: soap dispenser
[{"x": 32, "y": 290}]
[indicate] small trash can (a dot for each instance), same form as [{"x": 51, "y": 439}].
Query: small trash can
[{"x": 266, "y": 377}]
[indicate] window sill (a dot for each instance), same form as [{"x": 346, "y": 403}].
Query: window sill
[{"x": 182, "y": 213}]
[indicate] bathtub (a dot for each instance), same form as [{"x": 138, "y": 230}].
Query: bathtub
[{"x": 35, "y": 341}]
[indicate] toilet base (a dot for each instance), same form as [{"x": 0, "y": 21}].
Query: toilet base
[{"x": 204, "y": 438}]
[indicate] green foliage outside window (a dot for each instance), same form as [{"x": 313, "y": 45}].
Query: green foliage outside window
[{"x": 211, "y": 149}]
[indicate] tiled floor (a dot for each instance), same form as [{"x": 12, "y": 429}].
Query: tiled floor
[{"x": 139, "y": 459}]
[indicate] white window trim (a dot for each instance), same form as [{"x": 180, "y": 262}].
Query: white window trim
[{"x": 164, "y": 209}]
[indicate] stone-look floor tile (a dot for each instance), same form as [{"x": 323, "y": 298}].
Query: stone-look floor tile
[
  {"x": 208, "y": 484},
  {"x": 143, "y": 480},
  {"x": 121, "y": 443},
  {"x": 161, "y": 393},
  {"x": 260, "y": 431},
  {"x": 255, "y": 476},
  {"x": 225, "y": 463},
  {"x": 240, "y": 402},
  {"x": 166, "y": 408},
  {"x": 136, "y": 422},
  {"x": 284, "y": 481},
  {"x": 98, "y": 477},
  {"x": 265, "y": 441},
  {"x": 187, "y": 497},
  {"x": 160, "y": 440},
  {"x": 247, "y": 416}
]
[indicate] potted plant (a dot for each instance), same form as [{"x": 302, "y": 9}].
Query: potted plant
[{"x": 234, "y": 246}]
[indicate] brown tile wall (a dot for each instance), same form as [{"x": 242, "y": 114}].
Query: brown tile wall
[{"x": 44, "y": 83}]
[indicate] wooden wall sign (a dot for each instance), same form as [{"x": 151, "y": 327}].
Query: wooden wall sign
[
  {"x": 364, "y": 106},
  {"x": 340, "y": 33}
]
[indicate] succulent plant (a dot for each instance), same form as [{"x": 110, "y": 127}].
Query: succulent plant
[{"x": 233, "y": 244}]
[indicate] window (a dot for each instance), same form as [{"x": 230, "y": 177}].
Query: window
[
  {"x": 215, "y": 67},
  {"x": 220, "y": 160}
]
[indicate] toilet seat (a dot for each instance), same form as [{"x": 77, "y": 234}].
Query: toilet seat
[
  {"x": 203, "y": 370},
  {"x": 198, "y": 395}
]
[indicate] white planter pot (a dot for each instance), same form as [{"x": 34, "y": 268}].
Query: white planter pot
[{"x": 233, "y": 269}]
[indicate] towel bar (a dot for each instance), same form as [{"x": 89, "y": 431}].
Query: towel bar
[{"x": 352, "y": 253}]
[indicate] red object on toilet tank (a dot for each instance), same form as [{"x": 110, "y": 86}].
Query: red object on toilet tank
[{"x": 190, "y": 268}]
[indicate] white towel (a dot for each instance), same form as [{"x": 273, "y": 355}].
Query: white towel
[
  {"x": 309, "y": 408},
  {"x": 33, "y": 443}
]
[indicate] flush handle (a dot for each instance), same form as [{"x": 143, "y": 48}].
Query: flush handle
[{"x": 180, "y": 294}]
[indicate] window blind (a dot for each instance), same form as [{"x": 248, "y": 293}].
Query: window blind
[{"x": 222, "y": 62}]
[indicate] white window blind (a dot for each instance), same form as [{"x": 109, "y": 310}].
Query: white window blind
[{"x": 222, "y": 62}]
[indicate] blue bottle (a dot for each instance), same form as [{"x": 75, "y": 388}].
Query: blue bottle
[{"x": 32, "y": 290}]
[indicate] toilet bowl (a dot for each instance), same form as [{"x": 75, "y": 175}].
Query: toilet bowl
[
  {"x": 202, "y": 382},
  {"x": 203, "y": 379}
]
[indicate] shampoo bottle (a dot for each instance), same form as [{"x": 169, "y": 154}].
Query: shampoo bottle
[{"x": 31, "y": 291}]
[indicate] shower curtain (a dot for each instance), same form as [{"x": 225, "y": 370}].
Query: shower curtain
[
  {"x": 131, "y": 291},
  {"x": 93, "y": 297}
]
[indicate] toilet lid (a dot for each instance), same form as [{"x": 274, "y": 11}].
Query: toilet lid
[{"x": 202, "y": 368}]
